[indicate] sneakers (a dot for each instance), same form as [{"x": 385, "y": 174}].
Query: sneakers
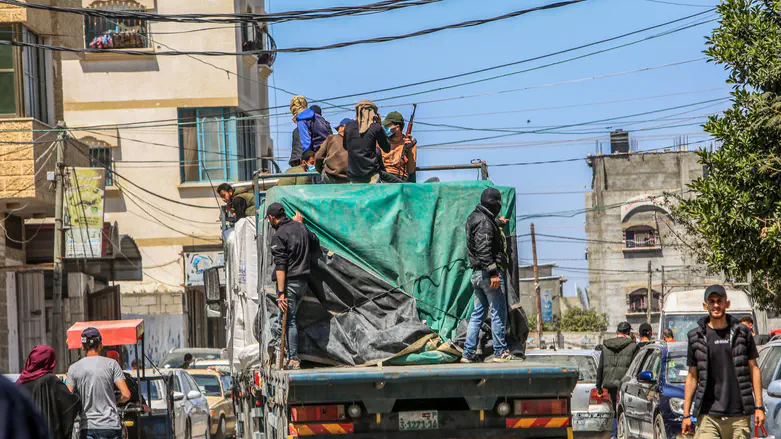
[
  {"x": 504, "y": 357},
  {"x": 467, "y": 360},
  {"x": 293, "y": 365}
]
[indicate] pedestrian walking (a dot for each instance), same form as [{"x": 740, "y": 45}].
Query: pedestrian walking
[
  {"x": 724, "y": 386},
  {"x": 617, "y": 356},
  {"x": 668, "y": 335},
  {"x": 486, "y": 248},
  {"x": 646, "y": 333},
  {"x": 93, "y": 378},
  {"x": 291, "y": 247},
  {"x": 57, "y": 404}
]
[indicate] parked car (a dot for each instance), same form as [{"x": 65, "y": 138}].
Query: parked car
[
  {"x": 216, "y": 387},
  {"x": 770, "y": 371},
  {"x": 592, "y": 415},
  {"x": 175, "y": 358},
  {"x": 222, "y": 365},
  {"x": 650, "y": 400},
  {"x": 191, "y": 409}
]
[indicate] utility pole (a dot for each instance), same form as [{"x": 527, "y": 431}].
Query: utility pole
[
  {"x": 650, "y": 293},
  {"x": 661, "y": 293},
  {"x": 537, "y": 290},
  {"x": 58, "y": 330}
]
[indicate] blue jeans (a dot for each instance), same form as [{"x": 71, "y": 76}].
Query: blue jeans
[
  {"x": 485, "y": 296},
  {"x": 295, "y": 290},
  {"x": 101, "y": 434}
]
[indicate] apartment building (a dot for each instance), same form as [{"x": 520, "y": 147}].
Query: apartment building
[{"x": 170, "y": 129}]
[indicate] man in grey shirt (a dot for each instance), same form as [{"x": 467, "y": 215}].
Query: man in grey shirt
[{"x": 93, "y": 379}]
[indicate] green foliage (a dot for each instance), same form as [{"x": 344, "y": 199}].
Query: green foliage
[
  {"x": 733, "y": 212},
  {"x": 573, "y": 320},
  {"x": 546, "y": 326}
]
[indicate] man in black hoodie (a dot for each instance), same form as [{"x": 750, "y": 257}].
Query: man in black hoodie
[
  {"x": 291, "y": 248},
  {"x": 724, "y": 385},
  {"x": 485, "y": 245},
  {"x": 617, "y": 356}
]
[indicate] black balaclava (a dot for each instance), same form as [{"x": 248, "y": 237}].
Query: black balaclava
[{"x": 491, "y": 199}]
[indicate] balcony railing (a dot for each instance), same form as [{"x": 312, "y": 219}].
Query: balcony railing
[
  {"x": 116, "y": 33},
  {"x": 255, "y": 38}
]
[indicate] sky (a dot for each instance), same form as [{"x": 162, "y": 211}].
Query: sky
[{"x": 554, "y": 96}]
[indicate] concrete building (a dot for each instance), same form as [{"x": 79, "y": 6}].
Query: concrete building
[
  {"x": 551, "y": 290},
  {"x": 628, "y": 226},
  {"x": 179, "y": 126}
]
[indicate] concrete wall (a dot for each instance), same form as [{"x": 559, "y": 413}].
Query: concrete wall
[
  {"x": 572, "y": 340},
  {"x": 614, "y": 271},
  {"x": 152, "y": 303},
  {"x": 163, "y": 332}
]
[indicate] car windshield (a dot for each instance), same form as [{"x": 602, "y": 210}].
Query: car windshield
[
  {"x": 681, "y": 324},
  {"x": 676, "y": 368},
  {"x": 209, "y": 384},
  {"x": 153, "y": 388},
  {"x": 176, "y": 359},
  {"x": 586, "y": 364}
]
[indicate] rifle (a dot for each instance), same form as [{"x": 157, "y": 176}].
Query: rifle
[{"x": 411, "y": 121}]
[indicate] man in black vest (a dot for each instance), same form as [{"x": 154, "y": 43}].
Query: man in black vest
[
  {"x": 617, "y": 356},
  {"x": 723, "y": 374}
]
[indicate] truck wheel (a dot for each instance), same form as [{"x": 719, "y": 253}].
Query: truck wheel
[
  {"x": 623, "y": 428},
  {"x": 659, "y": 431}
]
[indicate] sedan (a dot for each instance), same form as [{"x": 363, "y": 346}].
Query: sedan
[
  {"x": 592, "y": 414},
  {"x": 191, "y": 409},
  {"x": 650, "y": 400}
]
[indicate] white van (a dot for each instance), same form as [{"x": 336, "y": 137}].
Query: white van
[{"x": 682, "y": 310}]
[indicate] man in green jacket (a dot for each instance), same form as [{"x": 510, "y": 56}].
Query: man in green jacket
[
  {"x": 617, "y": 356},
  {"x": 242, "y": 204}
]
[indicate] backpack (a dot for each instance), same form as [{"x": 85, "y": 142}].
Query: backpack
[{"x": 320, "y": 130}]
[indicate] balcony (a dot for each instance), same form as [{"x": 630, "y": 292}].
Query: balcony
[
  {"x": 253, "y": 38},
  {"x": 103, "y": 33},
  {"x": 26, "y": 157}
]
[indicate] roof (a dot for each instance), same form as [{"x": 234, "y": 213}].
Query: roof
[
  {"x": 691, "y": 301},
  {"x": 113, "y": 332},
  {"x": 204, "y": 372}
]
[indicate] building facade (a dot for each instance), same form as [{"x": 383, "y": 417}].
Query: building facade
[
  {"x": 177, "y": 127},
  {"x": 628, "y": 226}
]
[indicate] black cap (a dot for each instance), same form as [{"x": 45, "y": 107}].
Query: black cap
[
  {"x": 90, "y": 334},
  {"x": 624, "y": 328},
  {"x": 275, "y": 210},
  {"x": 645, "y": 329},
  {"x": 715, "y": 289}
]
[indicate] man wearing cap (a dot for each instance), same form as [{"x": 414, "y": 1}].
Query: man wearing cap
[
  {"x": 400, "y": 161},
  {"x": 617, "y": 356},
  {"x": 724, "y": 386},
  {"x": 646, "y": 332},
  {"x": 331, "y": 159},
  {"x": 291, "y": 248},
  {"x": 93, "y": 378}
]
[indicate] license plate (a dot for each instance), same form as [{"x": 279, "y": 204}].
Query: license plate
[{"x": 409, "y": 421}]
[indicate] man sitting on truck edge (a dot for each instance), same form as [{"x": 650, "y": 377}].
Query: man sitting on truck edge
[
  {"x": 723, "y": 374},
  {"x": 485, "y": 246},
  {"x": 291, "y": 248},
  {"x": 307, "y": 164},
  {"x": 617, "y": 356},
  {"x": 93, "y": 379},
  {"x": 242, "y": 204}
]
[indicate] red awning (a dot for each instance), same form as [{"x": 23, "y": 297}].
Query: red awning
[{"x": 113, "y": 332}]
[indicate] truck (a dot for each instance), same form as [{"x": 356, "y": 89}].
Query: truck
[
  {"x": 682, "y": 310},
  {"x": 379, "y": 331}
]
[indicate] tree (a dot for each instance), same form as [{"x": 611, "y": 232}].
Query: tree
[
  {"x": 579, "y": 320},
  {"x": 732, "y": 214}
]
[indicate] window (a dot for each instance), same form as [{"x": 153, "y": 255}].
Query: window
[
  {"x": 216, "y": 144},
  {"x": 209, "y": 385},
  {"x": 676, "y": 367},
  {"x": 653, "y": 364},
  {"x": 769, "y": 366},
  {"x": 100, "y": 157},
  {"x": 34, "y": 70},
  {"x": 116, "y": 33},
  {"x": 640, "y": 237},
  {"x": 638, "y": 301},
  {"x": 7, "y": 78},
  {"x": 176, "y": 383}
]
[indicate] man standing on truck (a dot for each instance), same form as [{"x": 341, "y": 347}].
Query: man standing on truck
[
  {"x": 331, "y": 158},
  {"x": 723, "y": 374},
  {"x": 400, "y": 161},
  {"x": 363, "y": 139},
  {"x": 93, "y": 379},
  {"x": 242, "y": 205},
  {"x": 291, "y": 248},
  {"x": 617, "y": 355},
  {"x": 486, "y": 248}
]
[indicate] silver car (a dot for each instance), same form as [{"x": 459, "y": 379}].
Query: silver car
[
  {"x": 592, "y": 415},
  {"x": 191, "y": 410}
]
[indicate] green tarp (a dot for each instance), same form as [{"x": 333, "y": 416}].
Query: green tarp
[{"x": 410, "y": 235}]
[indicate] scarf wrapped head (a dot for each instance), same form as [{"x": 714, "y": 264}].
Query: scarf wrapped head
[
  {"x": 41, "y": 361},
  {"x": 297, "y": 105},
  {"x": 365, "y": 113}
]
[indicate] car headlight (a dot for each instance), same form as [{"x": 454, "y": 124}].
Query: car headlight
[{"x": 676, "y": 405}]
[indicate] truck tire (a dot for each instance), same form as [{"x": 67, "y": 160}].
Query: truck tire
[{"x": 221, "y": 429}]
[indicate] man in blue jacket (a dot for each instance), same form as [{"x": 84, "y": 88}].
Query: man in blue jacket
[{"x": 311, "y": 128}]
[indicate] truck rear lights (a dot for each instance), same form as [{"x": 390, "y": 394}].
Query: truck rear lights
[
  {"x": 596, "y": 399},
  {"x": 503, "y": 409},
  {"x": 354, "y": 410},
  {"x": 317, "y": 413},
  {"x": 540, "y": 407}
]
